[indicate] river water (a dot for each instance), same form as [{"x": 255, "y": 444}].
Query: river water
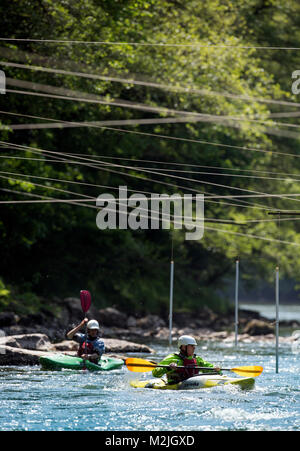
[
  {"x": 34, "y": 400},
  {"x": 286, "y": 312}
]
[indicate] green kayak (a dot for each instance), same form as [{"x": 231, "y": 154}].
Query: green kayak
[{"x": 59, "y": 361}]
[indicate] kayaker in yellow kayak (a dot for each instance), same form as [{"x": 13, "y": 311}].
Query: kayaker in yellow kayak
[
  {"x": 186, "y": 358},
  {"x": 91, "y": 347}
]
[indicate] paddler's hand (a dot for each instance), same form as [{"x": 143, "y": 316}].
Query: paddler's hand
[
  {"x": 84, "y": 322},
  {"x": 217, "y": 369},
  {"x": 173, "y": 366},
  {"x": 85, "y": 356}
]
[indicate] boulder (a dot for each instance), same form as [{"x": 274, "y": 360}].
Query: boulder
[
  {"x": 71, "y": 312},
  {"x": 150, "y": 322},
  {"x": 66, "y": 345},
  {"x": 258, "y": 327},
  {"x": 38, "y": 342},
  {"x": 115, "y": 345},
  {"x": 112, "y": 317},
  {"x": 111, "y": 345},
  {"x": 33, "y": 319},
  {"x": 8, "y": 319},
  {"x": 14, "y": 356},
  {"x": 131, "y": 321},
  {"x": 204, "y": 318}
]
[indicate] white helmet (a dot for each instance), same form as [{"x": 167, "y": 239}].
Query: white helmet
[
  {"x": 93, "y": 324},
  {"x": 186, "y": 340}
]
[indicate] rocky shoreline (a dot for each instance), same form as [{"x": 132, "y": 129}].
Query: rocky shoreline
[{"x": 24, "y": 339}]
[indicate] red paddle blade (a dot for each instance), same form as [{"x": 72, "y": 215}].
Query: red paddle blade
[{"x": 85, "y": 299}]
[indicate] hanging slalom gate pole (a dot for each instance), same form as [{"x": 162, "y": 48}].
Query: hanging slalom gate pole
[
  {"x": 236, "y": 322},
  {"x": 171, "y": 302},
  {"x": 277, "y": 318},
  {"x": 277, "y": 292}
]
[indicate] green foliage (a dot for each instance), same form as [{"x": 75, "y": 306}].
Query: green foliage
[
  {"x": 25, "y": 303},
  {"x": 4, "y": 296},
  {"x": 56, "y": 249}
]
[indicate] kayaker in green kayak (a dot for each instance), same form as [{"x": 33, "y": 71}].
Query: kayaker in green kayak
[
  {"x": 91, "y": 347},
  {"x": 186, "y": 358}
]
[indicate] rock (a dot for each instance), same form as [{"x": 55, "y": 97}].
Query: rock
[
  {"x": 163, "y": 334},
  {"x": 8, "y": 319},
  {"x": 115, "y": 345},
  {"x": 219, "y": 335},
  {"x": 111, "y": 345},
  {"x": 71, "y": 312},
  {"x": 74, "y": 307},
  {"x": 66, "y": 345},
  {"x": 131, "y": 321},
  {"x": 15, "y": 356},
  {"x": 33, "y": 319},
  {"x": 12, "y": 354},
  {"x": 111, "y": 317},
  {"x": 150, "y": 322},
  {"x": 204, "y": 318},
  {"x": 29, "y": 341},
  {"x": 258, "y": 327}
]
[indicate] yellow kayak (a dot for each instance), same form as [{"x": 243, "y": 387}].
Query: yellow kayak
[{"x": 196, "y": 382}]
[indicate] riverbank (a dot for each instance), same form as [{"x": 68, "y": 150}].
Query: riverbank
[{"x": 26, "y": 338}]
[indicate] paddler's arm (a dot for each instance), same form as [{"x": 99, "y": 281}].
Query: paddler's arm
[
  {"x": 159, "y": 372},
  {"x": 72, "y": 332},
  {"x": 201, "y": 362},
  {"x": 99, "y": 349}
]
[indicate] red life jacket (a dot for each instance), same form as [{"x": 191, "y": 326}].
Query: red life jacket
[
  {"x": 85, "y": 348},
  {"x": 182, "y": 374}
]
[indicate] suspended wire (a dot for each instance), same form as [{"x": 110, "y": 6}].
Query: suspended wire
[
  {"x": 145, "y": 169},
  {"x": 164, "y": 162},
  {"x": 175, "y": 138},
  {"x": 50, "y": 89},
  {"x": 45, "y": 186},
  {"x": 67, "y": 94},
  {"x": 148, "y": 44},
  {"x": 92, "y": 199},
  {"x": 174, "y": 221},
  {"x": 217, "y": 174},
  {"x": 169, "y": 120},
  {"x": 159, "y": 173},
  {"x": 199, "y": 181},
  {"x": 208, "y": 197},
  {"x": 156, "y": 181},
  {"x": 151, "y": 84},
  {"x": 152, "y": 172}
]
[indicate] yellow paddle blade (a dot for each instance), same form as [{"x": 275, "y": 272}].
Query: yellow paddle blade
[
  {"x": 139, "y": 365},
  {"x": 248, "y": 371}
]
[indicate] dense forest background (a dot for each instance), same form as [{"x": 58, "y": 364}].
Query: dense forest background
[{"x": 161, "y": 97}]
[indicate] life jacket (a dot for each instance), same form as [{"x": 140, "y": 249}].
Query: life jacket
[
  {"x": 85, "y": 348},
  {"x": 181, "y": 374}
]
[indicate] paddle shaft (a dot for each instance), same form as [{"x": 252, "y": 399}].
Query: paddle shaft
[
  {"x": 168, "y": 366},
  {"x": 85, "y": 299},
  {"x": 237, "y": 370}
]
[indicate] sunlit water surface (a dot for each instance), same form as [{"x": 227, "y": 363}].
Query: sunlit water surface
[{"x": 32, "y": 399}]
